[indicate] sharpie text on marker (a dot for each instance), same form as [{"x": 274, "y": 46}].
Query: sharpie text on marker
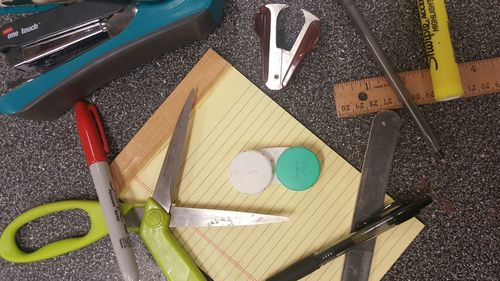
[{"x": 429, "y": 26}]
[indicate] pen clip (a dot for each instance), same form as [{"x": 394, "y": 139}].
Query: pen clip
[
  {"x": 389, "y": 208},
  {"x": 384, "y": 211},
  {"x": 93, "y": 109},
  {"x": 401, "y": 211}
]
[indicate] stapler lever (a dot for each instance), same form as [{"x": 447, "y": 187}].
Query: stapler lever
[
  {"x": 67, "y": 51},
  {"x": 279, "y": 64},
  {"x": 39, "y": 43},
  {"x": 11, "y": 3}
]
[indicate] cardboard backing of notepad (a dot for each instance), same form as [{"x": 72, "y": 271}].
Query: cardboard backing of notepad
[{"x": 159, "y": 127}]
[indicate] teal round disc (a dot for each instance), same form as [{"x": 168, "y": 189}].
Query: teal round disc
[{"x": 298, "y": 168}]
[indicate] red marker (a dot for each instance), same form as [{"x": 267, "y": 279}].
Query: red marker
[{"x": 96, "y": 148}]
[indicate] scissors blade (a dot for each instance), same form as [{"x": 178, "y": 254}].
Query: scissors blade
[
  {"x": 165, "y": 190},
  {"x": 193, "y": 217}
]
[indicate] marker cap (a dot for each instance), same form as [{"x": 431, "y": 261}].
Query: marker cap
[{"x": 91, "y": 131}]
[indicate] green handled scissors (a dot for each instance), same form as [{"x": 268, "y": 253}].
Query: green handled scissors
[
  {"x": 152, "y": 220},
  {"x": 132, "y": 213}
]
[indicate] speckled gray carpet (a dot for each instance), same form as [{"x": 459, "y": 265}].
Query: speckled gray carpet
[{"x": 42, "y": 162}]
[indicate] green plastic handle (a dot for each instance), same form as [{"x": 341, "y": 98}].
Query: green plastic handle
[
  {"x": 98, "y": 229},
  {"x": 166, "y": 250}
]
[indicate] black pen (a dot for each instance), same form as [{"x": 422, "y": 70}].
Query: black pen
[{"x": 387, "y": 218}]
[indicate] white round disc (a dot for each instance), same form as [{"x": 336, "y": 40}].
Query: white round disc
[{"x": 251, "y": 172}]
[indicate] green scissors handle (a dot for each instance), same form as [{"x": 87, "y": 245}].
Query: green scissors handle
[
  {"x": 98, "y": 229},
  {"x": 166, "y": 250}
]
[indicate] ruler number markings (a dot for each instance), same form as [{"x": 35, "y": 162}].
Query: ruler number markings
[{"x": 374, "y": 94}]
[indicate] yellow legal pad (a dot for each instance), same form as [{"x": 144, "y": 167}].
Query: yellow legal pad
[{"x": 232, "y": 116}]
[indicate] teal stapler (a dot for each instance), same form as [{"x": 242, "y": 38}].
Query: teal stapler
[{"x": 67, "y": 49}]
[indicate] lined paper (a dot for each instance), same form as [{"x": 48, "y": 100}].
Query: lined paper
[{"x": 236, "y": 116}]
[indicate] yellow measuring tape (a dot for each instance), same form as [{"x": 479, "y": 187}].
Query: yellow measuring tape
[{"x": 375, "y": 94}]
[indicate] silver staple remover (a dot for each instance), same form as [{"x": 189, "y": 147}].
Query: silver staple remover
[{"x": 279, "y": 64}]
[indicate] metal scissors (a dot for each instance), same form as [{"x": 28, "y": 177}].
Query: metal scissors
[{"x": 152, "y": 220}]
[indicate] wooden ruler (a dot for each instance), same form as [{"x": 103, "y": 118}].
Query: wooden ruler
[{"x": 374, "y": 94}]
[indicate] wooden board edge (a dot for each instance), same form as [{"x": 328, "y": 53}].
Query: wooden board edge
[{"x": 160, "y": 125}]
